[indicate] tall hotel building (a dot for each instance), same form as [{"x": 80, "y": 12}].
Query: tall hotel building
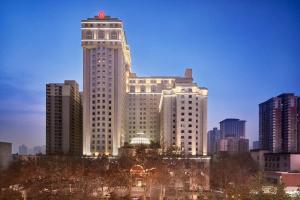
[
  {"x": 119, "y": 106},
  {"x": 279, "y": 119},
  {"x": 63, "y": 119},
  {"x": 106, "y": 67}
]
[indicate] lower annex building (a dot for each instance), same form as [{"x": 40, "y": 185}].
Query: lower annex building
[{"x": 171, "y": 111}]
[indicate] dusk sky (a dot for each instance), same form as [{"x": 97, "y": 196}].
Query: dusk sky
[{"x": 244, "y": 52}]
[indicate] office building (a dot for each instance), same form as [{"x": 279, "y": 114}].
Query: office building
[
  {"x": 5, "y": 155},
  {"x": 233, "y": 128},
  {"x": 255, "y": 145},
  {"x": 233, "y": 145},
  {"x": 232, "y": 139},
  {"x": 258, "y": 156},
  {"x": 243, "y": 145},
  {"x": 43, "y": 149},
  {"x": 37, "y": 150},
  {"x": 279, "y": 124},
  {"x": 212, "y": 140},
  {"x": 119, "y": 106},
  {"x": 23, "y": 149},
  {"x": 63, "y": 119}
]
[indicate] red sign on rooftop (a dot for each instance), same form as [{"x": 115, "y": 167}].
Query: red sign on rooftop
[{"x": 101, "y": 15}]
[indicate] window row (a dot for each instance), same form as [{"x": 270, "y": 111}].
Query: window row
[
  {"x": 100, "y": 148},
  {"x": 102, "y": 35}
]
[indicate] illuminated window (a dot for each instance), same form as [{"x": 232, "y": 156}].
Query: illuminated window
[
  {"x": 114, "y": 35},
  {"x": 132, "y": 88},
  {"x": 143, "y": 88},
  {"x": 153, "y": 88}
]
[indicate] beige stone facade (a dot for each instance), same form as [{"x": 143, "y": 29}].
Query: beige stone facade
[
  {"x": 106, "y": 66},
  {"x": 118, "y": 105}
]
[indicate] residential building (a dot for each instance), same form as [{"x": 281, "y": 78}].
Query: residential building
[
  {"x": 63, "y": 119},
  {"x": 279, "y": 124},
  {"x": 23, "y": 149},
  {"x": 258, "y": 155},
  {"x": 37, "y": 150},
  {"x": 290, "y": 180},
  {"x": 5, "y": 155},
  {"x": 233, "y": 128},
  {"x": 212, "y": 140},
  {"x": 284, "y": 162}
]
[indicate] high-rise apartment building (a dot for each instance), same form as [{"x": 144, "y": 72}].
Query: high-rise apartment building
[
  {"x": 63, "y": 118},
  {"x": 106, "y": 67},
  {"x": 119, "y": 106},
  {"x": 279, "y": 124},
  {"x": 233, "y": 128},
  {"x": 5, "y": 155},
  {"x": 23, "y": 149},
  {"x": 212, "y": 138}
]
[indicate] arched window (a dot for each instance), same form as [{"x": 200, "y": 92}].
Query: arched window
[
  {"x": 101, "y": 34},
  {"x": 114, "y": 35},
  {"x": 89, "y": 35}
]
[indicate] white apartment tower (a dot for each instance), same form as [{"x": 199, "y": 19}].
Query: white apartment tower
[
  {"x": 183, "y": 115},
  {"x": 118, "y": 105},
  {"x": 106, "y": 67}
]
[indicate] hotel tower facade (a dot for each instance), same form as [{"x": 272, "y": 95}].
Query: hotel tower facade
[
  {"x": 119, "y": 106},
  {"x": 106, "y": 66}
]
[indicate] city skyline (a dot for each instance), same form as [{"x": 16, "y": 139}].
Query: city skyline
[{"x": 22, "y": 114}]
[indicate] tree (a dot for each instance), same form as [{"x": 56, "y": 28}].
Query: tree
[
  {"x": 280, "y": 193},
  {"x": 10, "y": 194}
]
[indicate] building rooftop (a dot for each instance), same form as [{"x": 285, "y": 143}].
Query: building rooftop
[
  {"x": 286, "y": 94},
  {"x": 278, "y": 96},
  {"x": 257, "y": 150},
  {"x": 154, "y": 77},
  {"x": 104, "y": 19},
  {"x": 283, "y": 153},
  {"x": 232, "y": 119}
]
